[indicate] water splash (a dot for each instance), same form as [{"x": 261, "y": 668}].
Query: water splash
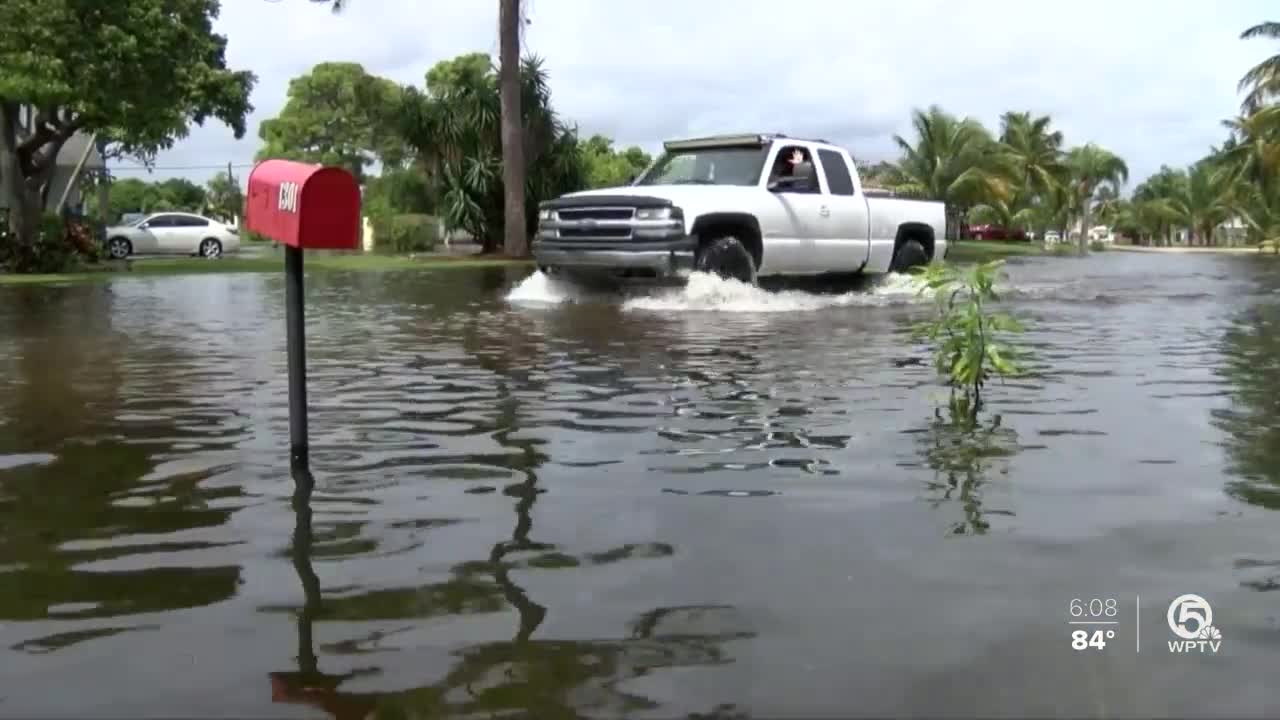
[
  {"x": 709, "y": 293},
  {"x": 540, "y": 289}
]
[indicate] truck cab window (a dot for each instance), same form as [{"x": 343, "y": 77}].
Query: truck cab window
[
  {"x": 839, "y": 180},
  {"x": 793, "y": 168}
]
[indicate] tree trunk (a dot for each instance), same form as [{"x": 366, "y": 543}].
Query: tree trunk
[
  {"x": 1085, "y": 211},
  {"x": 24, "y": 195},
  {"x": 22, "y": 221},
  {"x": 515, "y": 237}
]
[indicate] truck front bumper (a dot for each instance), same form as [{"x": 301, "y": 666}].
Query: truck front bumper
[{"x": 635, "y": 258}]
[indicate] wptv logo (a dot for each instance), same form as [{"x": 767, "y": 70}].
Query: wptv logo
[{"x": 1191, "y": 619}]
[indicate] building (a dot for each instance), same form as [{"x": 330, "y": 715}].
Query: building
[{"x": 78, "y": 158}]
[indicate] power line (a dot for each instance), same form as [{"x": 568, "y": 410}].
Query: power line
[{"x": 144, "y": 168}]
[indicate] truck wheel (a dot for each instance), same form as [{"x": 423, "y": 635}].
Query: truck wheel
[
  {"x": 725, "y": 257},
  {"x": 909, "y": 254}
]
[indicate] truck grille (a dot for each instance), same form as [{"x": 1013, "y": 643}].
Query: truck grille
[
  {"x": 595, "y": 223},
  {"x": 600, "y": 213}
]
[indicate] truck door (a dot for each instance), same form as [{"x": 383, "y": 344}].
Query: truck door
[
  {"x": 798, "y": 216},
  {"x": 845, "y": 245}
]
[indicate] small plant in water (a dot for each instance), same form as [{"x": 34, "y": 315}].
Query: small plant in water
[{"x": 967, "y": 336}]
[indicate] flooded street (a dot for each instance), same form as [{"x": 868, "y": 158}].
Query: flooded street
[{"x": 708, "y": 502}]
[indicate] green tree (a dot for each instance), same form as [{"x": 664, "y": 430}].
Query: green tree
[
  {"x": 515, "y": 164},
  {"x": 1251, "y": 155},
  {"x": 336, "y": 114},
  {"x": 606, "y": 167},
  {"x": 1035, "y": 151},
  {"x": 1262, "y": 81},
  {"x": 454, "y": 129},
  {"x": 136, "y": 73},
  {"x": 1205, "y": 200},
  {"x": 1093, "y": 167},
  {"x": 878, "y": 174},
  {"x": 1254, "y": 146},
  {"x": 953, "y": 160},
  {"x": 398, "y": 191},
  {"x": 132, "y": 195},
  {"x": 180, "y": 194},
  {"x": 1152, "y": 209},
  {"x": 224, "y": 198}
]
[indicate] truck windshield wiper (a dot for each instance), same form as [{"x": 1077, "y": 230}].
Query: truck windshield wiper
[{"x": 693, "y": 181}]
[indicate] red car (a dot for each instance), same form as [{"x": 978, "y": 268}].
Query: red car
[{"x": 995, "y": 232}]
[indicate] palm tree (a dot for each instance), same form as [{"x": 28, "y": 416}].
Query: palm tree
[
  {"x": 1036, "y": 150},
  {"x": 1141, "y": 219},
  {"x": 1204, "y": 201},
  {"x": 1093, "y": 167},
  {"x": 1153, "y": 203},
  {"x": 1254, "y": 146},
  {"x": 515, "y": 233},
  {"x": 1263, "y": 80},
  {"x": 953, "y": 160},
  {"x": 999, "y": 212}
]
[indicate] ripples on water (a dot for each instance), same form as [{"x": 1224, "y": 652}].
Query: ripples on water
[{"x": 714, "y": 499}]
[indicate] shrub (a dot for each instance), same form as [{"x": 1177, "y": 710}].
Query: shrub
[
  {"x": 404, "y": 233},
  {"x": 1097, "y": 246},
  {"x": 53, "y": 250},
  {"x": 967, "y": 336}
]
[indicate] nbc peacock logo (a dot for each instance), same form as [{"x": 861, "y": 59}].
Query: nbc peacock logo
[{"x": 1191, "y": 619}]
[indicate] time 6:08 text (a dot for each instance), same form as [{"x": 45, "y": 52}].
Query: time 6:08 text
[{"x": 1096, "y": 607}]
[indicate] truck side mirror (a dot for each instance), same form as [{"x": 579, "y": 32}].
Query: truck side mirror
[{"x": 789, "y": 183}]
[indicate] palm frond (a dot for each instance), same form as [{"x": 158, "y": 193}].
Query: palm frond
[{"x": 1264, "y": 29}]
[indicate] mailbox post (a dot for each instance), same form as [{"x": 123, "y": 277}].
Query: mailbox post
[{"x": 303, "y": 207}]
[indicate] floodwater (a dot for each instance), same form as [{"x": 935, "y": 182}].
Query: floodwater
[{"x": 712, "y": 502}]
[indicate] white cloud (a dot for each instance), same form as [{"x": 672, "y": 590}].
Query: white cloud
[{"x": 1149, "y": 80}]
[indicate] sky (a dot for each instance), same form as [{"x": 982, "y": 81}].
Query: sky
[{"x": 1150, "y": 81}]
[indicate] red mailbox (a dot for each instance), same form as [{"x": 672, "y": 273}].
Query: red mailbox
[
  {"x": 305, "y": 207},
  {"x": 309, "y": 207}
]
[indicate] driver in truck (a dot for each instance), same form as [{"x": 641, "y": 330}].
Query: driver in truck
[
  {"x": 788, "y": 159},
  {"x": 795, "y": 162}
]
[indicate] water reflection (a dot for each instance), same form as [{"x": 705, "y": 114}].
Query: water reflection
[
  {"x": 544, "y": 677},
  {"x": 1250, "y": 350},
  {"x": 87, "y": 536},
  {"x": 966, "y": 454}
]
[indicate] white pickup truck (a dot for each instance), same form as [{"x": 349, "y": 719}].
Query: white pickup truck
[{"x": 741, "y": 207}]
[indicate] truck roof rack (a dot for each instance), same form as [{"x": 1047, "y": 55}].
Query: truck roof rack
[{"x": 735, "y": 140}]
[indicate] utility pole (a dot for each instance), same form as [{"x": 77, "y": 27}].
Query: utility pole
[{"x": 231, "y": 180}]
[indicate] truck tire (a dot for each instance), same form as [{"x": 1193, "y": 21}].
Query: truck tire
[
  {"x": 727, "y": 258},
  {"x": 909, "y": 254}
]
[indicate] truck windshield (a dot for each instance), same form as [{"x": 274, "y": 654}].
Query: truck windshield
[{"x": 706, "y": 166}]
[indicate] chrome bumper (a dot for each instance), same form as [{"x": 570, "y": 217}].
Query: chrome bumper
[
  {"x": 661, "y": 262},
  {"x": 671, "y": 255}
]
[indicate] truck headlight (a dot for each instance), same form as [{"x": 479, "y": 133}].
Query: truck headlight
[
  {"x": 545, "y": 215},
  {"x": 659, "y": 213}
]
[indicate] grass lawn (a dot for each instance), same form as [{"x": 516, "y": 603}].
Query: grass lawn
[
  {"x": 274, "y": 262},
  {"x": 974, "y": 251}
]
